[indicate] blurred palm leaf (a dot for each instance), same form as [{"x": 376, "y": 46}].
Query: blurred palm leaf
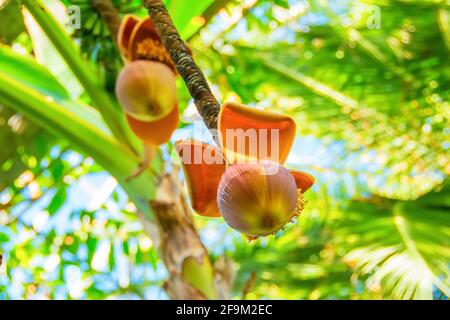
[
  {"x": 95, "y": 38},
  {"x": 302, "y": 262},
  {"x": 402, "y": 246},
  {"x": 380, "y": 91},
  {"x": 370, "y": 248},
  {"x": 384, "y": 95},
  {"x": 11, "y": 24}
]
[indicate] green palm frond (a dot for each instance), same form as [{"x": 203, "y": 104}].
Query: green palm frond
[
  {"x": 301, "y": 262},
  {"x": 402, "y": 247},
  {"x": 371, "y": 248},
  {"x": 95, "y": 38}
]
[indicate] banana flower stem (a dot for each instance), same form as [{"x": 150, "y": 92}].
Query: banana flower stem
[{"x": 207, "y": 105}]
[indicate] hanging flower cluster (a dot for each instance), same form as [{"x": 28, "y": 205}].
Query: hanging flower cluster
[
  {"x": 244, "y": 181},
  {"x": 146, "y": 86}
]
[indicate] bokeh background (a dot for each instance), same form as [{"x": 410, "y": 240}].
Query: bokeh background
[{"x": 368, "y": 84}]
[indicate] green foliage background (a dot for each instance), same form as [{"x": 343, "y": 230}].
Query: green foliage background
[{"x": 370, "y": 96}]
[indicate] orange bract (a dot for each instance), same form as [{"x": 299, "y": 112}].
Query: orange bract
[
  {"x": 249, "y": 134},
  {"x": 139, "y": 40},
  {"x": 155, "y": 132},
  {"x": 145, "y": 29},
  {"x": 129, "y": 22},
  {"x": 203, "y": 166},
  {"x": 303, "y": 180}
]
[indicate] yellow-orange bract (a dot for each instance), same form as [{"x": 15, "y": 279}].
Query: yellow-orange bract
[
  {"x": 138, "y": 39},
  {"x": 142, "y": 31},
  {"x": 155, "y": 132},
  {"x": 127, "y": 25},
  {"x": 303, "y": 180}
]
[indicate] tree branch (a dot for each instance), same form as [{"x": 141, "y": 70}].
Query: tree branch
[
  {"x": 109, "y": 14},
  {"x": 209, "y": 13},
  {"x": 207, "y": 105}
]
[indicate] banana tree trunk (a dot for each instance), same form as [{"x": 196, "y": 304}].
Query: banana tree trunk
[{"x": 192, "y": 275}]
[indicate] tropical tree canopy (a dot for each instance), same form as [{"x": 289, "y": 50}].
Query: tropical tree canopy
[{"x": 366, "y": 82}]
